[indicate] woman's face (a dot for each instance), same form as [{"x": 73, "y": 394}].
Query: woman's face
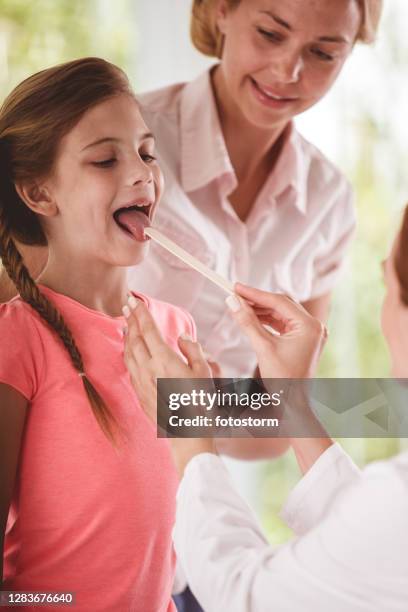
[
  {"x": 280, "y": 58},
  {"x": 394, "y": 318},
  {"x": 105, "y": 163}
]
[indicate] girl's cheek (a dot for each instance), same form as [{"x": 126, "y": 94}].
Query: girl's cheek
[{"x": 158, "y": 181}]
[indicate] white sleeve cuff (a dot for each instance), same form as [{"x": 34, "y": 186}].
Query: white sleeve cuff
[
  {"x": 204, "y": 463},
  {"x": 308, "y": 502}
]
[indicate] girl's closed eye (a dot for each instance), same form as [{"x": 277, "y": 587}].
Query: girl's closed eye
[{"x": 105, "y": 163}]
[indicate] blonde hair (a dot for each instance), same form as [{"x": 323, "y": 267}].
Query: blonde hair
[{"x": 208, "y": 39}]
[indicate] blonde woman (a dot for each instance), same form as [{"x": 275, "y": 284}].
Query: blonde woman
[{"x": 245, "y": 192}]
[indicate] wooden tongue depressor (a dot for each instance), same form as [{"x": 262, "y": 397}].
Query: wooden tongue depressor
[{"x": 171, "y": 246}]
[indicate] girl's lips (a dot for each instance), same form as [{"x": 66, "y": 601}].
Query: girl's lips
[{"x": 267, "y": 99}]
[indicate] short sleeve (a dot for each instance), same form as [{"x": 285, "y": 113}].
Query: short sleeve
[
  {"x": 338, "y": 232},
  {"x": 21, "y": 349}
]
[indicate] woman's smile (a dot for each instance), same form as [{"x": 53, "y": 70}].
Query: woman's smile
[{"x": 269, "y": 97}]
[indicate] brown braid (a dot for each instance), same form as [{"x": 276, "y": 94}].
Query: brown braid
[{"x": 30, "y": 293}]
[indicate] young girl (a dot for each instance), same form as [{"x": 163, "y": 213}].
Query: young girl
[{"x": 87, "y": 487}]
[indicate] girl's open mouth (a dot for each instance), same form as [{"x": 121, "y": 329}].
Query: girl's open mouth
[{"x": 133, "y": 220}]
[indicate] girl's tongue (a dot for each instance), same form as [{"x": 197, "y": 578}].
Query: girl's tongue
[{"x": 135, "y": 222}]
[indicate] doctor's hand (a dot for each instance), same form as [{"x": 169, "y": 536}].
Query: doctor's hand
[{"x": 292, "y": 353}]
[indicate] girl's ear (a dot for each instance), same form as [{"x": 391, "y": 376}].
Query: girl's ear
[{"x": 38, "y": 198}]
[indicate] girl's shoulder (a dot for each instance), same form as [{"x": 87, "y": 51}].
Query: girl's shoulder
[
  {"x": 16, "y": 312},
  {"x": 20, "y": 323},
  {"x": 22, "y": 352}
]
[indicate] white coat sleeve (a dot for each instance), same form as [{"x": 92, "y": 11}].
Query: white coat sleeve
[{"x": 351, "y": 561}]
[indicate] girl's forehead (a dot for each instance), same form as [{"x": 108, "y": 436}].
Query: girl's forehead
[{"x": 116, "y": 117}]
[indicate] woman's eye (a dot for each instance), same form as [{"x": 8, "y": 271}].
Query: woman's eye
[
  {"x": 272, "y": 36},
  {"x": 326, "y": 57},
  {"x": 105, "y": 163},
  {"x": 148, "y": 158}
]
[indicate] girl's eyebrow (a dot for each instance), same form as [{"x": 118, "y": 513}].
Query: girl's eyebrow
[{"x": 145, "y": 136}]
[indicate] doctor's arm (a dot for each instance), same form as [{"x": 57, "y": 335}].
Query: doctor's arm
[
  {"x": 319, "y": 307},
  {"x": 341, "y": 563},
  {"x": 269, "y": 448}
]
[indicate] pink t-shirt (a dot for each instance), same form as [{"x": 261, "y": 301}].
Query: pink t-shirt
[{"x": 85, "y": 517}]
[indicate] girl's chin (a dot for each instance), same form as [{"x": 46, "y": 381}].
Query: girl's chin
[
  {"x": 130, "y": 257},
  {"x": 139, "y": 254}
]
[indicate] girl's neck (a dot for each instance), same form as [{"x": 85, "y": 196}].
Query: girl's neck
[
  {"x": 252, "y": 150},
  {"x": 103, "y": 289}
]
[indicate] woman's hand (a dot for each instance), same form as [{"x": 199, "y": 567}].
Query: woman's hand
[{"x": 292, "y": 353}]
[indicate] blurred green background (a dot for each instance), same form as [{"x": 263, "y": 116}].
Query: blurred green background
[
  {"x": 365, "y": 119},
  {"x": 35, "y": 35}
]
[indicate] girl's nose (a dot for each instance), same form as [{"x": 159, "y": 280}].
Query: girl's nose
[{"x": 140, "y": 171}]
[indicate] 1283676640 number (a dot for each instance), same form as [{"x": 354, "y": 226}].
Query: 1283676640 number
[{"x": 39, "y": 598}]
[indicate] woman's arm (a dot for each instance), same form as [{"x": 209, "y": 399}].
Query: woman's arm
[
  {"x": 293, "y": 354},
  {"x": 354, "y": 559},
  {"x": 13, "y": 408},
  {"x": 251, "y": 449},
  {"x": 319, "y": 307}
]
